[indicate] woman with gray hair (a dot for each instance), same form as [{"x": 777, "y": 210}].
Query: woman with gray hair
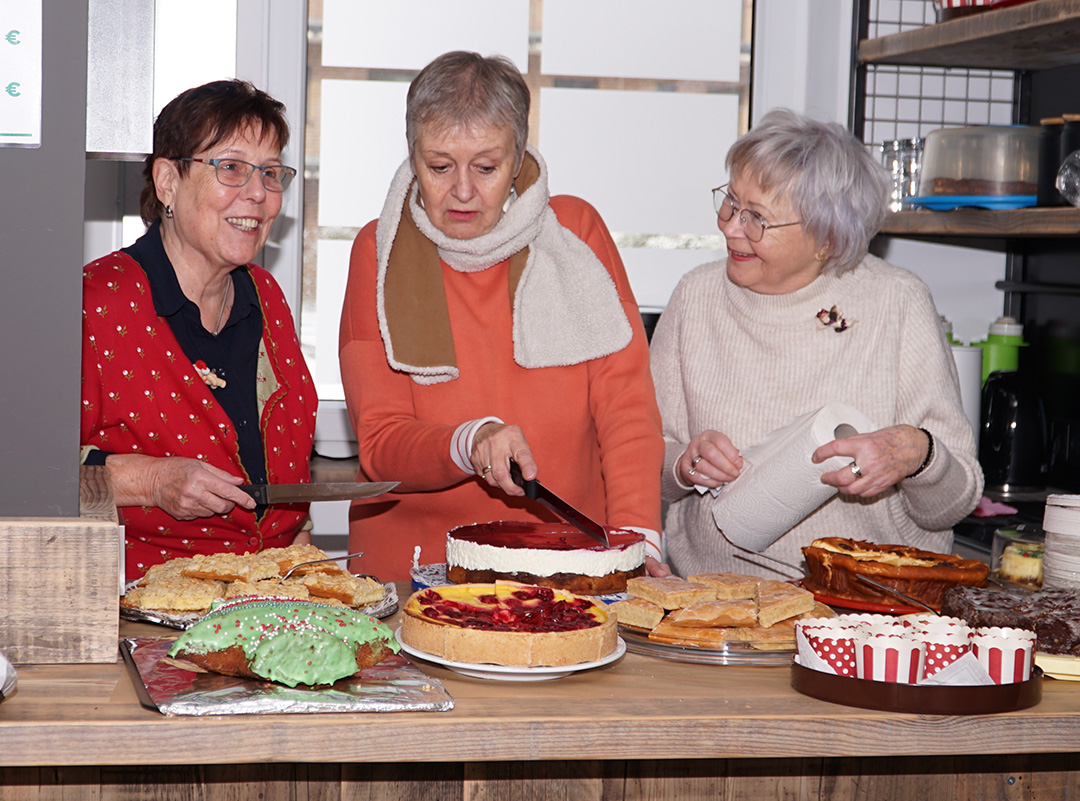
[
  {"x": 485, "y": 322},
  {"x": 797, "y": 317}
]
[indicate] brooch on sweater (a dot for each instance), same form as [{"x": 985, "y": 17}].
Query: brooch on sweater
[
  {"x": 832, "y": 318},
  {"x": 209, "y": 377}
]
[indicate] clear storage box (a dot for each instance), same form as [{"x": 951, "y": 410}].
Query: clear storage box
[
  {"x": 1016, "y": 556},
  {"x": 984, "y": 160}
]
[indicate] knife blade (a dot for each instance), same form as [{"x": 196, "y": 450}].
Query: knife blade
[
  {"x": 541, "y": 494},
  {"x": 304, "y": 493}
]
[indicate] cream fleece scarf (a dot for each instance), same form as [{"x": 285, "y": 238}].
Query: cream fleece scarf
[{"x": 566, "y": 308}]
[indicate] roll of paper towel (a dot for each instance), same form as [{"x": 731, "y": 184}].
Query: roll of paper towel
[
  {"x": 779, "y": 484},
  {"x": 969, "y": 360}
]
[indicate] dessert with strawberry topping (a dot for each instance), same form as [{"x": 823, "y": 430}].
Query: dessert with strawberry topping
[
  {"x": 507, "y": 623},
  {"x": 553, "y": 555}
]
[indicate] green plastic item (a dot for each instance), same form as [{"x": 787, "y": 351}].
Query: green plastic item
[{"x": 1001, "y": 348}]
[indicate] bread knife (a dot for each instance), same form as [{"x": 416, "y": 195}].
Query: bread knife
[
  {"x": 306, "y": 493},
  {"x": 541, "y": 494}
]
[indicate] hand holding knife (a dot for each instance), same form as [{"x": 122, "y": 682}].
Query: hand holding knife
[{"x": 541, "y": 494}]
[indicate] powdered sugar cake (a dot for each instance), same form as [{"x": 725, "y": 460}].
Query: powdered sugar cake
[{"x": 554, "y": 555}]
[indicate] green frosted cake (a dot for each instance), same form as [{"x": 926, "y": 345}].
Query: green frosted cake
[{"x": 288, "y": 641}]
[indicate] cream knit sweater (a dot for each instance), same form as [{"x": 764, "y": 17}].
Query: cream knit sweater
[{"x": 743, "y": 363}]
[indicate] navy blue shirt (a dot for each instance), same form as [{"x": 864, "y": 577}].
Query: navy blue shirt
[{"x": 233, "y": 354}]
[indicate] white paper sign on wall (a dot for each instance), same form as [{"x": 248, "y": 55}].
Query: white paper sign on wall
[{"x": 20, "y": 73}]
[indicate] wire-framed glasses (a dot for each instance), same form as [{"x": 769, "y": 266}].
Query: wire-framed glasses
[
  {"x": 234, "y": 172},
  {"x": 753, "y": 224}
]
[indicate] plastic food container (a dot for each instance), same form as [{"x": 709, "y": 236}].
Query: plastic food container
[
  {"x": 1016, "y": 556},
  {"x": 983, "y": 160},
  {"x": 951, "y": 9}
]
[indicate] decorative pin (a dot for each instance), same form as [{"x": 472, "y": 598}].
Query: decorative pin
[
  {"x": 832, "y": 318},
  {"x": 209, "y": 377}
]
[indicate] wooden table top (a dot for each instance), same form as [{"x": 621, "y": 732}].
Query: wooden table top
[{"x": 639, "y": 707}]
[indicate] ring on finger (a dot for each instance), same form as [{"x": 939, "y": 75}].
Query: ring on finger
[
  {"x": 855, "y": 470},
  {"x": 695, "y": 460},
  {"x": 486, "y": 470}
]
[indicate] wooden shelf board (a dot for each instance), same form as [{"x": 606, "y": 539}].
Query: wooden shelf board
[
  {"x": 1041, "y": 34},
  {"x": 1030, "y": 222}
]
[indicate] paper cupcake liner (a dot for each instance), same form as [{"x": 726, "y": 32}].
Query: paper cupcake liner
[
  {"x": 838, "y": 652},
  {"x": 1006, "y": 653},
  {"x": 886, "y": 658},
  {"x": 862, "y": 619},
  {"x": 938, "y": 655},
  {"x": 945, "y": 630}
]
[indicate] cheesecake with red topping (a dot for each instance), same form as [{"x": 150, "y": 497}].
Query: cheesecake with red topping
[
  {"x": 554, "y": 555},
  {"x": 508, "y": 623}
]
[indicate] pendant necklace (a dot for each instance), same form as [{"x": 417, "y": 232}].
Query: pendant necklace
[
  {"x": 210, "y": 377},
  {"x": 224, "y": 303}
]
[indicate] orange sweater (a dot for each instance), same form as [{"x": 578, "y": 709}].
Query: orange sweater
[{"x": 593, "y": 427}]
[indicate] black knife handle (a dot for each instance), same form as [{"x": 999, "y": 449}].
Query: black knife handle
[
  {"x": 256, "y": 492},
  {"x": 532, "y": 489}
]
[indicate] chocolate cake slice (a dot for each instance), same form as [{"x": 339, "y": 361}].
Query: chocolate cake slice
[{"x": 1053, "y": 614}]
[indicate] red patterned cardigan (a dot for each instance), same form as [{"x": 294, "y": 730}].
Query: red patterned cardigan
[{"x": 141, "y": 395}]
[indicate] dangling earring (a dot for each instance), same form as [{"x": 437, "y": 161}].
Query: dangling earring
[
  {"x": 168, "y": 212},
  {"x": 510, "y": 198}
]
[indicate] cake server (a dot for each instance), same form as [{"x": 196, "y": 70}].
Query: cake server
[
  {"x": 305, "y": 493},
  {"x": 864, "y": 579},
  {"x": 542, "y": 495},
  {"x": 298, "y": 565}
]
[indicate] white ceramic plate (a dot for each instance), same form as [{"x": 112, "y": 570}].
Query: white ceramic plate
[{"x": 479, "y": 670}]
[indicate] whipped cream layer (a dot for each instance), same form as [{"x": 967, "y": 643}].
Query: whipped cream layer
[{"x": 542, "y": 549}]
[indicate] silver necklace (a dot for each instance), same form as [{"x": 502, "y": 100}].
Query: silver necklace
[{"x": 224, "y": 303}]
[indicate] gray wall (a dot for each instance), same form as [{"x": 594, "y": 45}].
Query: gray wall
[{"x": 41, "y": 231}]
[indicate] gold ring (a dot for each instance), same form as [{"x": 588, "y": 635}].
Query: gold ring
[{"x": 486, "y": 470}]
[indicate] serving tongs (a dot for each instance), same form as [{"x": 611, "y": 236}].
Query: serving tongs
[
  {"x": 864, "y": 579},
  {"x": 289, "y": 572}
]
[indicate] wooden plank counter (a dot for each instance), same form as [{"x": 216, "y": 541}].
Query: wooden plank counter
[{"x": 641, "y": 727}]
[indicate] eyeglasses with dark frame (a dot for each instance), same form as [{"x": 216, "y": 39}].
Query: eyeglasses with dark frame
[
  {"x": 754, "y": 225},
  {"x": 234, "y": 172}
]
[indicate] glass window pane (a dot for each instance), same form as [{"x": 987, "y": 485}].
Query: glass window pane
[
  {"x": 407, "y": 35},
  {"x": 694, "y": 40},
  {"x": 353, "y": 178},
  {"x": 646, "y": 160}
]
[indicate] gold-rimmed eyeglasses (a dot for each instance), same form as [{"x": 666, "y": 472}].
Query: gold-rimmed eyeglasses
[
  {"x": 754, "y": 225},
  {"x": 234, "y": 172}
]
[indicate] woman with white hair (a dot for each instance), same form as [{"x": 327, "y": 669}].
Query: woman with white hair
[
  {"x": 485, "y": 321},
  {"x": 798, "y": 316}
]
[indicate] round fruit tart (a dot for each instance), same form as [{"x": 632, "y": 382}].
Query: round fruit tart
[{"x": 507, "y": 623}]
